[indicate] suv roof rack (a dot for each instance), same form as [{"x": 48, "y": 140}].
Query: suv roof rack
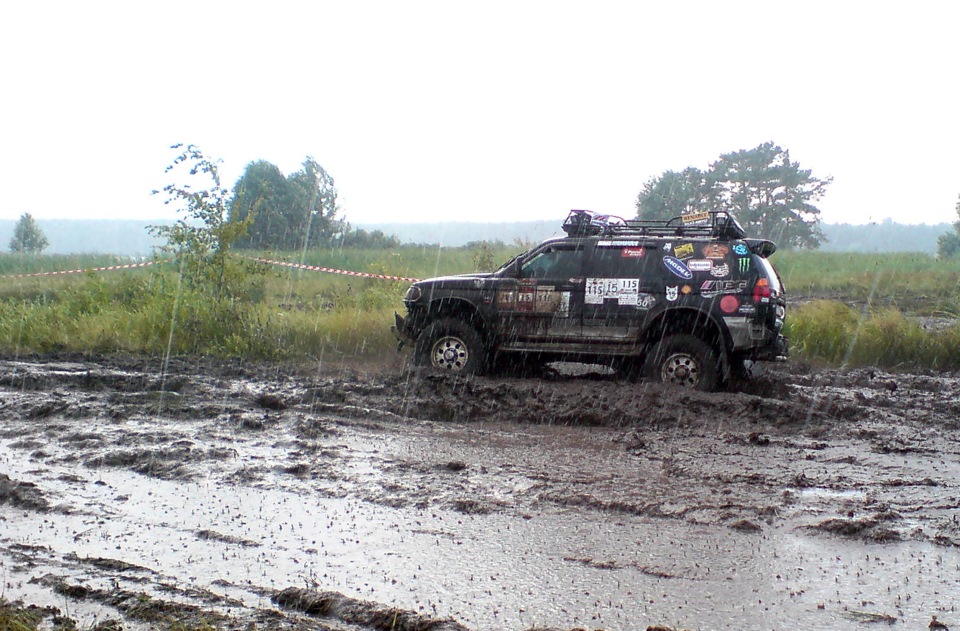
[{"x": 716, "y": 224}]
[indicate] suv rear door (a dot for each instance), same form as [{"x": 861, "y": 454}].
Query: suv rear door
[{"x": 619, "y": 290}]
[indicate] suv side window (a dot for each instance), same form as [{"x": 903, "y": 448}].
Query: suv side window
[
  {"x": 620, "y": 261},
  {"x": 558, "y": 263}
]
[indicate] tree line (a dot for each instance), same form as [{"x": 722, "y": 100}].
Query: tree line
[
  {"x": 294, "y": 212},
  {"x": 770, "y": 194}
]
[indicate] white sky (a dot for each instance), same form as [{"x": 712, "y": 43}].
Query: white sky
[{"x": 494, "y": 110}]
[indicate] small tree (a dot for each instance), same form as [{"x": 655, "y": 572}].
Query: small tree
[
  {"x": 28, "y": 238},
  {"x": 948, "y": 245},
  {"x": 203, "y": 239}
]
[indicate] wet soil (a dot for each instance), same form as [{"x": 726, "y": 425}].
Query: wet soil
[{"x": 137, "y": 494}]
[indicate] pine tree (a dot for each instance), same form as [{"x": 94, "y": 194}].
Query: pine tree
[{"x": 28, "y": 238}]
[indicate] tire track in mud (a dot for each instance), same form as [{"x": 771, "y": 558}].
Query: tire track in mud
[{"x": 858, "y": 456}]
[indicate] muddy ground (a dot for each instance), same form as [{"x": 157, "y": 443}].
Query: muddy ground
[{"x": 228, "y": 496}]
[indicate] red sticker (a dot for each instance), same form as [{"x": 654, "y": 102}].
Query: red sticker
[
  {"x": 631, "y": 253},
  {"x": 729, "y": 304}
]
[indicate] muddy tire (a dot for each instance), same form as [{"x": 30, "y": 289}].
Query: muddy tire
[
  {"x": 685, "y": 361},
  {"x": 450, "y": 345}
]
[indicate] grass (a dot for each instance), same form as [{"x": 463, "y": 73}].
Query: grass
[
  {"x": 279, "y": 313},
  {"x": 853, "y": 309},
  {"x": 17, "y": 618},
  {"x": 838, "y": 334},
  {"x": 913, "y": 282}
]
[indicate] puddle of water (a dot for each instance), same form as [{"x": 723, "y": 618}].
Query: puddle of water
[
  {"x": 561, "y": 567},
  {"x": 816, "y": 493}
]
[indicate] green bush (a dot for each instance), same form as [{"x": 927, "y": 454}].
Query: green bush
[{"x": 835, "y": 333}]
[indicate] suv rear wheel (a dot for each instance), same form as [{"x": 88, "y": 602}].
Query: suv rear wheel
[
  {"x": 450, "y": 345},
  {"x": 683, "y": 360}
]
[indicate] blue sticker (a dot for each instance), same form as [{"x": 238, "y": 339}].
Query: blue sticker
[
  {"x": 741, "y": 249},
  {"x": 677, "y": 267}
]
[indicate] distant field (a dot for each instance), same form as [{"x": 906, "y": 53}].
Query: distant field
[
  {"x": 132, "y": 238},
  {"x": 846, "y": 308}
]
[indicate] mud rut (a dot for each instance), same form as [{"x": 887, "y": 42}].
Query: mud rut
[{"x": 239, "y": 496}]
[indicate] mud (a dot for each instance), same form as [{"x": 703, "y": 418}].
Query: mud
[{"x": 244, "y": 496}]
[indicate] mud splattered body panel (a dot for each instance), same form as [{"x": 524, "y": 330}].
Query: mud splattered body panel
[{"x": 617, "y": 295}]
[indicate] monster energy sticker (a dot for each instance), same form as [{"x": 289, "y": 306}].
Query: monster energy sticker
[{"x": 743, "y": 264}]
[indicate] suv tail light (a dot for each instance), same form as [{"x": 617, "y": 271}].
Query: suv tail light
[{"x": 762, "y": 291}]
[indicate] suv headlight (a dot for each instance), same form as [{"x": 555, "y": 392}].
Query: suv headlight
[{"x": 413, "y": 294}]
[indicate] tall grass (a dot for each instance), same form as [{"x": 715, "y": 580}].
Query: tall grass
[
  {"x": 286, "y": 313},
  {"x": 14, "y": 617},
  {"x": 914, "y": 282},
  {"x": 839, "y": 334},
  {"x": 853, "y": 309}
]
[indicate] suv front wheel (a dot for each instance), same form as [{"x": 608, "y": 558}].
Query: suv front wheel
[
  {"x": 683, "y": 360},
  {"x": 450, "y": 345}
]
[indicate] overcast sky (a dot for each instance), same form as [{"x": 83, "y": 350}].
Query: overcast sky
[{"x": 497, "y": 111}]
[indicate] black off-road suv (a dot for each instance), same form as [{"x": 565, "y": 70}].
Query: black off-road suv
[{"x": 686, "y": 301}]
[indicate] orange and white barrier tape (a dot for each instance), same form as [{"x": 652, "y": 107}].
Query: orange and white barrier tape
[
  {"x": 330, "y": 270},
  {"x": 314, "y": 268},
  {"x": 83, "y": 271}
]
